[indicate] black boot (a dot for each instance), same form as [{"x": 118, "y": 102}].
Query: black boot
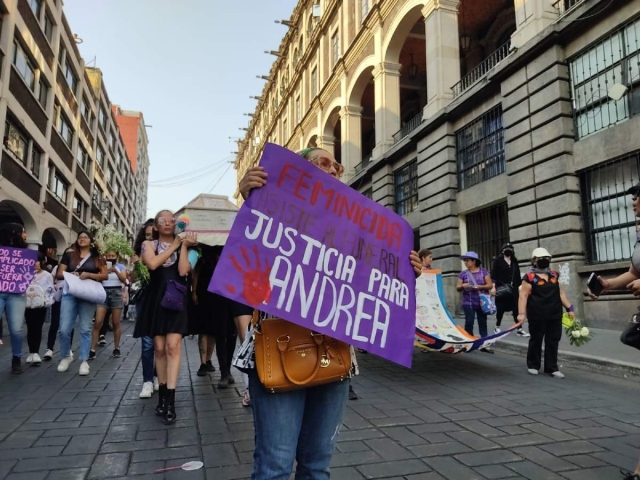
[
  {"x": 16, "y": 366},
  {"x": 170, "y": 407},
  {"x": 162, "y": 400}
]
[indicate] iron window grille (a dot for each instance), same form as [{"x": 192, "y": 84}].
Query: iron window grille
[
  {"x": 609, "y": 221},
  {"x": 480, "y": 149},
  {"x": 605, "y": 81},
  {"x": 487, "y": 231},
  {"x": 406, "y": 188}
]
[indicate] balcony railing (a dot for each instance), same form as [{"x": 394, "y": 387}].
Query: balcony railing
[
  {"x": 565, "y": 7},
  {"x": 481, "y": 70},
  {"x": 409, "y": 127},
  {"x": 366, "y": 160}
]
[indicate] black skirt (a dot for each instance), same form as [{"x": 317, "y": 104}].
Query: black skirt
[{"x": 153, "y": 319}]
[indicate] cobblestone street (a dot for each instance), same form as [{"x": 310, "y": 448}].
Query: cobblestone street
[{"x": 473, "y": 416}]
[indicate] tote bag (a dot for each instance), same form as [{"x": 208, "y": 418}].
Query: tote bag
[
  {"x": 87, "y": 290},
  {"x": 487, "y": 303}
]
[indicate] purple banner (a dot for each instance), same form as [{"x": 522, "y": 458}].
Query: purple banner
[
  {"x": 16, "y": 269},
  {"x": 311, "y": 250}
]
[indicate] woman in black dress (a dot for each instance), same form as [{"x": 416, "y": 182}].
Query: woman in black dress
[
  {"x": 169, "y": 261},
  {"x": 213, "y": 318}
]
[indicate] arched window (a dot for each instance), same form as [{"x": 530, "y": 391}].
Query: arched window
[
  {"x": 296, "y": 57},
  {"x": 310, "y": 26}
]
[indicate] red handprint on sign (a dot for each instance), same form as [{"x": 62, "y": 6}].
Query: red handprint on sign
[{"x": 256, "y": 285}]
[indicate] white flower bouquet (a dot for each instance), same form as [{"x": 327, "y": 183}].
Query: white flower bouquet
[{"x": 577, "y": 333}]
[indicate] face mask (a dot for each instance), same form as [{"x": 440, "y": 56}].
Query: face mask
[
  {"x": 543, "y": 263},
  {"x": 508, "y": 253}
]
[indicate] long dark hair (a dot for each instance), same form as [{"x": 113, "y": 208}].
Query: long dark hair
[
  {"x": 141, "y": 237},
  {"x": 11, "y": 235},
  {"x": 93, "y": 249}
]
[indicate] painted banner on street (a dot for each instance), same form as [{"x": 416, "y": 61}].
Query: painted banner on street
[
  {"x": 16, "y": 269},
  {"x": 436, "y": 329},
  {"x": 311, "y": 250}
]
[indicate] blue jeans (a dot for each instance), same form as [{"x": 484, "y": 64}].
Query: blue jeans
[
  {"x": 72, "y": 308},
  {"x": 301, "y": 425},
  {"x": 469, "y": 317},
  {"x": 14, "y": 305},
  {"x": 147, "y": 359}
]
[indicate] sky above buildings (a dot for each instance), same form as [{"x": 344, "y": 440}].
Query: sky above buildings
[{"x": 191, "y": 70}]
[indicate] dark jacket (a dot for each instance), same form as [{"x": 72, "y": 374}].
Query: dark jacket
[{"x": 504, "y": 274}]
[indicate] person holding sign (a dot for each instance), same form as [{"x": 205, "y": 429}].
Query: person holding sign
[
  {"x": 299, "y": 425},
  {"x": 169, "y": 258},
  {"x": 13, "y": 302},
  {"x": 83, "y": 260}
]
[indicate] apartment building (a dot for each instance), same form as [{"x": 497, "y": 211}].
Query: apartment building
[
  {"x": 479, "y": 121},
  {"x": 64, "y": 161}
]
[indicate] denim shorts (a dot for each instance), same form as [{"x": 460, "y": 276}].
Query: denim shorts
[{"x": 114, "y": 299}]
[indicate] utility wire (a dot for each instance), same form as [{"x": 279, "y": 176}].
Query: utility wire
[
  {"x": 189, "y": 175},
  {"x": 219, "y": 179}
]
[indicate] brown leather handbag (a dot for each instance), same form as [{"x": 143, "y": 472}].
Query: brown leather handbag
[{"x": 291, "y": 357}]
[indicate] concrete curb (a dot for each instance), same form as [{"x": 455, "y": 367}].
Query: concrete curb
[{"x": 577, "y": 360}]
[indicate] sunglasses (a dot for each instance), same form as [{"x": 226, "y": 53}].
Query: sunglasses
[
  {"x": 163, "y": 221},
  {"x": 327, "y": 165}
]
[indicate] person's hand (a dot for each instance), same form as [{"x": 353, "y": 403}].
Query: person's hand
[
  {"x": 191, "y": 239},
  {"x": 492, "y": 292},
  {"x": 572, "y": 315},
  {"x": 194, "y": 296},
  {"x": 135, "y": 258},
  {"x": 522, "y": 317},
  {"x": 415, "y": 262},
  {"x": 466, "y": 286},
  {"x": 85, "y": 276},
  {"x": 255, "y": 177},
  {"x": 635, "y": 287},
  {"x": 176, "y": 242},
  {"x": 606, "y": 286}
]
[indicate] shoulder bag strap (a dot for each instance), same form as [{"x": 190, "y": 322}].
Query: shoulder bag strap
[{"x": 82, "y": 262}]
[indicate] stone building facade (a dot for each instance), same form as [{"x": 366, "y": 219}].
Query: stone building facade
[
  {"x": 479, "y": 121},
  {"x": 64, "y": 162}
]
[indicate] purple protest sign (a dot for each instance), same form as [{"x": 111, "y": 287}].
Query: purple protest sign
[
  {"x": 16, "y": 269},
  {"x": 309, "y": 249}
]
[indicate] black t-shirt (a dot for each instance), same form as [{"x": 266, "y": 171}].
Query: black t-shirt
[
  {"x": 89, "y": 266},
  {"x": 544, "y": 301}
]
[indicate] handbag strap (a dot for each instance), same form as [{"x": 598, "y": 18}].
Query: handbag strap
[{"x": 83, "y": 261}]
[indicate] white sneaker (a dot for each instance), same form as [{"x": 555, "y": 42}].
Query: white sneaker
[
  {"x": 36, "y": 359},
  {"x": 147, "y": 390},
  {"x": 84, "y": 369},
  {"x": 63, "y": 366},
  {"x": 30, "y": 358},
  {"x": 156, "y": 385},
  {"x": 522, "y": 333},
  {"x": 497, "y": 330},
  {"x": 71, "y": 355},
  {"x": 557, "y": 374},
  {"x": 533, "y": 371},
  {"x": 48, "y": 355}
]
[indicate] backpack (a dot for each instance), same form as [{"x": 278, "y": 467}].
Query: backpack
[{"x": 37, "y": 297}]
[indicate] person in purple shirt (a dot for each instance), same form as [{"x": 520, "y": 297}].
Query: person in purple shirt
[{"x": 471, "y": 282}]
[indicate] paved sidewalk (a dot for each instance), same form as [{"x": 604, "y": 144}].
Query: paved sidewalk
[
  {"x": 463, "y": 417},
  {"x": 604, "y": 352}
]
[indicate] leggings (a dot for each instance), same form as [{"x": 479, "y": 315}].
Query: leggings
[{"x": 35, "y": 319}]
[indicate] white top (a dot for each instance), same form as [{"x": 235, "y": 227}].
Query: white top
[{"x": 113, "y": 281}]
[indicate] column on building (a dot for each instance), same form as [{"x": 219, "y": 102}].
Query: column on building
[
  {"x": 386, "y": 78},
  {"x": 443, "y": 53},
  {"x": 532, "y": 17},
  {"x": 326, "y": 142},
  {"x": 544, "y": 191},
  {"x": 351, "y": 124},
  {"x": 437, "y": 187}
]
